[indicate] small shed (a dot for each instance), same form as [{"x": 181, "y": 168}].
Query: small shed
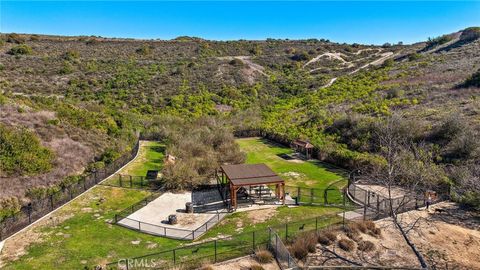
[
  {"x": 247, "y": 175},
  {"x": 304, "y": 147}
]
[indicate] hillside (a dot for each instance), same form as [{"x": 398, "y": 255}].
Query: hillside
[{"x": 84, "y": 98}]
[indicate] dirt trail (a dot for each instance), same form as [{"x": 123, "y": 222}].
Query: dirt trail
[
  {"x": 247, "y": 60},
  {"x": 334, "y": 55},
  {"x": 379, "y": 61}
]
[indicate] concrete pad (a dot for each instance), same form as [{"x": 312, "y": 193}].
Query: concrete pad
[{"x": 153, "y": 217}]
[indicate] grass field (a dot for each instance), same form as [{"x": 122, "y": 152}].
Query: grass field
[
  {"x": 312, "y": 173},
  {"x": 150, "y": 157},
  {"x": 80, "y": 234}
]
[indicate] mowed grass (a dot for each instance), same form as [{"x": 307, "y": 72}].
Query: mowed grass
[
  {"x": 86, "y": 238},
  {"x": 312, "y": 173},
  {"x": 80, "y": 233},
  {"x": 150, "y": 157},
  {"x": 83, "y": 236}
]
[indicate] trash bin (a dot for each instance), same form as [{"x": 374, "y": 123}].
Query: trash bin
[
  {"x": 189, "y": 207},
  {"x": 172, "y": 219}
]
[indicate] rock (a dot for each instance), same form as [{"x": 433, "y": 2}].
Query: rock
[
  {"x": 152, "y": 245},
  {"x": 67, "y": 235},
  {"x": 136, "y": 242}
]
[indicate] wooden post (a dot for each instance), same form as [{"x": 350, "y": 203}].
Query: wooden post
[{"x": 283, "y": 193}]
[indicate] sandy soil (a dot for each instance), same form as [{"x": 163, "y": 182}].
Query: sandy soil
[
  {"x": 448, "y": 239},
  {"x": 244, "y": 263},
  {"x": 383, "y": 191}
]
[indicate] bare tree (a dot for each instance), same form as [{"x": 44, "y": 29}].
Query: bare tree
[{"x": 407, "y": 166}]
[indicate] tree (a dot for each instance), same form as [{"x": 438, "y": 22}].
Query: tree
[{"x": 407, "y": 165}]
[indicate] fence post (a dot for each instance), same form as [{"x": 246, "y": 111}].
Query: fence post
[
  {"x": 51, "y": 201},
  {"x": 253, "y": 240},
  {"x": 316, "y": 224},
  {"x": 141, "y": 181},
  {"x": 174, "y": 258},
  {"x": 298, "y": 195},
  {"x": 120, "y": 180},
  {"x": 311, "y": 195},
  {"x": 131, "y": 183},
  {"x": 286, "y": 231},
  {"x": 215, "y": 243},
  {"x": 364, "y": 211},
  {"x": 116, "y": 218}
]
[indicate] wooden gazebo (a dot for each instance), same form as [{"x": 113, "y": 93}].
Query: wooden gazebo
[
  {"x": 304, "y": 147},
  {"x": 248, "y": 175}
]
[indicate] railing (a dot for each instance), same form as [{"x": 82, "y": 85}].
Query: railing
[
  {"x": 280, "y": 252},
  {"x": 377, "y": 206},
  {"x": 41, "y": 207},
  {"x": 225, "y": 248},
  {"x": 122, "y": 219},
  {"x": 132, "y": 181}
]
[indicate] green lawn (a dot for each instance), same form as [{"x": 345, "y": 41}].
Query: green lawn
[
  {"x": 150, "y": 157},
  {"x": 82, "y": 235},
  {"x": 312, "y": 173}
]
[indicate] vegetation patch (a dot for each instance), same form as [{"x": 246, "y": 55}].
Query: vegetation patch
[{"x": 21, "y": 153}]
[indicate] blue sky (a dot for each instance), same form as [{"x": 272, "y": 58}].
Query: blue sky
[{"x": 362, "y": 22}]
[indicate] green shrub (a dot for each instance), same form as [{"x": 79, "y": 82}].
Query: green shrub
[
  {"x": 346, "y": 244},
  {"x": 433, "y": 42},
  {"x": 263, "y": 256},
  {"x": 21, "y": 49},
  {"x": 22, "y": 154},
  {"x": 144, "y": 50},
  {"x": 71, "y": 55},
  {"x": 67, "y": 68}
]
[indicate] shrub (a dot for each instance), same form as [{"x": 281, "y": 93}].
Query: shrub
[
  {"x": 298, "y": 250},
  {"x": 352, "y": 231},
  {"x": 473, "y": 80},
  {"x": 370, "y": 225},
  {"x": 256, "y": 267},
  {"x": 21, "y": 49},
  {"x": 433, "y": 42},
  {"x": 67, "y": 68},
  {"x": 263, "y": 256},
  {"x": 366, "y": 246},
  {"x": 236, "y": 62},
  {"x": 71, "y": 55},
  {"x": 21, "y": 153},
  {"x": 206, "y": 266},
  {"x": 301, "y": 56},
  {"x": 15, "y": 38},
  {"x": 470, "y": 34},
  {"x": 304, "y": 244},
  {"x": 346, "y": 244},
  {"x": 414, "y": 56},
  {"x": 327, "y": 238},
  {"x": 144, "y": 50}
]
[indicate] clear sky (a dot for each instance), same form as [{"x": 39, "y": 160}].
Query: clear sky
[{"x": 362, "y": 22}]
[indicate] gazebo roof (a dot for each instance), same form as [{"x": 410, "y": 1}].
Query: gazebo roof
[
  {"x": 303, "y": 143},
  {"x": 250, "y": 174}
]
